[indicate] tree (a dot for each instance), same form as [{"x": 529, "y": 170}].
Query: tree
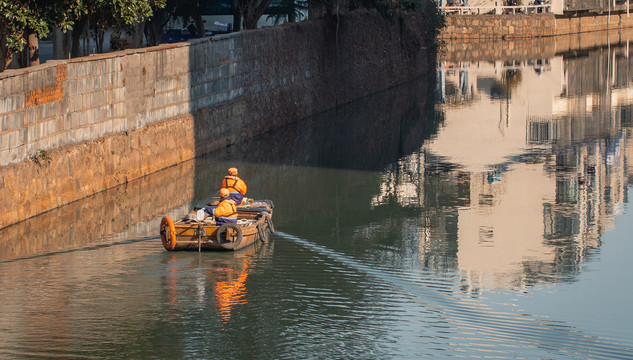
[
  {"x": 15, "y": 18},
  {"x": 155, "y": 26},
  {"x": 290, "y": 10},
  {"x": 102, "y": 15},
  {"x": 191, "y": 10},
  {"x": 56, "y": 13},
  {"x": 23, "y": 22},
  {"x": 388, "y": 8},
  {"x": 186, "y": 10},
  {"x": 26, "y": 21},
  {"x": 248, "y": 10}
]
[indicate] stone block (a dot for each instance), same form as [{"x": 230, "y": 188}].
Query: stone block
[
  {"x": 17, "y": 84},
  {"x": 73, "y": 135},
  {"x": 85, "y": 101},
  {"x": 4, "y": 141},
  {"x": 5, "y": 122},
  {"x": 13, "y": 139},
  {"x": 56, "y": 140},
  {"x": 120, "y": 109},
  {"x": 74, "y": 120},
  {"x": 32, "y": 81},
  {"x": 5, "y": 157},
  {"x": 5, "y": 89},
  {"x": 31, "y": 134},
  {"x": 91, "y": 116},
  {"x": 51, "y": 126},
  {"x": 95, "y": 99},
  {"x": 5, "y": 104},
  {"x": 18, "y": 154},
  {"x": 17, "y": 120}
]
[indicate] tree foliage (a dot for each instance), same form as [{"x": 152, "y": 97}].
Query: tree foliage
[
  {"x": 289, "y": 10},
  {"x": 120, "y": 14},
  {"x": 250, "y": 11},
  {"x": 35, "y": 16},
  {"x": 184, "y": 10},
  {"x": 15, "y": 17},
  {"x": 20, "y": 18},
  {"x": 101, "y": 15}
]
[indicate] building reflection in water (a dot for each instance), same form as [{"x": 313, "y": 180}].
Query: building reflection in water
[{"x": 527, "y": 171}]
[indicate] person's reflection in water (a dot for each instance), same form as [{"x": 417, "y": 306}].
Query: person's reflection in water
[
  {"x": 227, "y": 276},
  {"x": 172, "y": 279},
  {"x": 230, "y": 292}
]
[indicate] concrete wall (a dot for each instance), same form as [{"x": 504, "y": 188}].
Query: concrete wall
[
  {"x": 510, "y": 26},
  {"x": 108, "y": 119}
]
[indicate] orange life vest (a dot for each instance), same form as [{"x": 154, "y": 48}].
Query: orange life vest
[
  {"x": 234, "y": 183},
  {"x": 226, "y": 208}
]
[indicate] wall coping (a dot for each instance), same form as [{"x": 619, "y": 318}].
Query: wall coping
[{"x": 9, "y": 73}]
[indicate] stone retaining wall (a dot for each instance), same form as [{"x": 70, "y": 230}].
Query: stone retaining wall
[
  {"x": 528, "y": 49},
  {"x": 476, "y": 27},
  {"x": 72, "y": 128},
  {"x": 584, "y": 24},
  {"x": 517, "y": 26}
]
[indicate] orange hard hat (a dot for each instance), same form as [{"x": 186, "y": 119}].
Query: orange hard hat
[
  {"x": 224, "y": 192},
  {"x": 233, "y": 171}
]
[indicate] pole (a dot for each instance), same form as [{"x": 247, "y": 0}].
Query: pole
[
  {"x": 199, "y": 217},
  {"x": 200, "y": 229}
]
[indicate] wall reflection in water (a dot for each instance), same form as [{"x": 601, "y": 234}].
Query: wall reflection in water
[
  {"x": 528, "y": 170},
  {"x": 125, "y": 212}
]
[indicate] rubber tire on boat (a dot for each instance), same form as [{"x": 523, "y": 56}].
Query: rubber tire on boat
[
  {"x": 269, "y": 221},
  {"x": 223, "y": 229},
  {"x": 168, "y": 233},
  {"x": 260, "y": 233}
]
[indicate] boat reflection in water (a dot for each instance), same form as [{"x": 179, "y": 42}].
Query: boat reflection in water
[{"x": 220, "y": 278}]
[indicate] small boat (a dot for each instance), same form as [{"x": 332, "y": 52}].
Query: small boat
[{"x": 197, "y": 232}]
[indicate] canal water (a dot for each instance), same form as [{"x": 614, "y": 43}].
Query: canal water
[{"x": 478, "y": 212}]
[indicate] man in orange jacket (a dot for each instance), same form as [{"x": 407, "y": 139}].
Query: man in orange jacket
[
  {"x": 226, "y": 211},
  {"x": 235, "y": 185}
]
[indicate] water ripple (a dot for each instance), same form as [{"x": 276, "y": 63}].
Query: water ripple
[{"x": 480, "y": 326}]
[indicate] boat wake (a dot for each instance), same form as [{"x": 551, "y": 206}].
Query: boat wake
[{"x": 477, "y": 321}]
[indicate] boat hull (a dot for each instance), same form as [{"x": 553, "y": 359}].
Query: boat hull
[{"x": 191, "y": 235}]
